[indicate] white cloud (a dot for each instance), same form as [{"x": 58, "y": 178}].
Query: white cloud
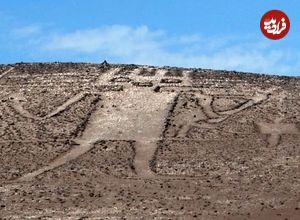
[
  {"x": 118, "y": 40},
  {"x": 143, "y": 46},
  {"x": 26, "y": 31}
]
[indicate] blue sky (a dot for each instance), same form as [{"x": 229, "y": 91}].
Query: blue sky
[{"x": 216, "y": 34}]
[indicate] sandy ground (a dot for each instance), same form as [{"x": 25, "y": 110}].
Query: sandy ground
[{"x": 87, "y": 141}]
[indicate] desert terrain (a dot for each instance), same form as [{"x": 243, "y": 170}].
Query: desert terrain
[{"x": 108, "y": 141}]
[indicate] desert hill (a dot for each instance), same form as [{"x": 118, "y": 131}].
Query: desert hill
[{"x": 107, "y": 141}]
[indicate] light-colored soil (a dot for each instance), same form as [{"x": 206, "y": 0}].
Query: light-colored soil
[
  {"x": 6, "y": 72},
  {"x": 87, "y": 141}
]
